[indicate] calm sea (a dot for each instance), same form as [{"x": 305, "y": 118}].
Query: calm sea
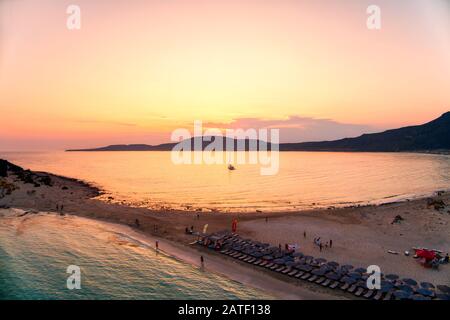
[{"x": 304, "y": 179}]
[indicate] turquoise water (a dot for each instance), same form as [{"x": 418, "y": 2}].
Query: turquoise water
[{"x": 36, "y": 250}]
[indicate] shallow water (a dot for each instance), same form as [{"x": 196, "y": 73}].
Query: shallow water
[
  {"x": 304, "y": 180},
  {"x": 36, "y": 250}
]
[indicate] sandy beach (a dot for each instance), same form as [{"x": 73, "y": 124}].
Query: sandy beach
[{"x": 361, "y": 236}]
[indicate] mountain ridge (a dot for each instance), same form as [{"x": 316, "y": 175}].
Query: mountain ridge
[{"x": 431, "y": 136}]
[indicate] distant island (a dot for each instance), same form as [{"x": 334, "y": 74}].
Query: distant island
[{"x": 433, "y": 136}]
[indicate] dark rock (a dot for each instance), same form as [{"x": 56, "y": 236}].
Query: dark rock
[
  {"x": 397, "y": 219},
  {"x": 437, "y": 204},
  {"x": 65, "y": 188},
  {"x": 3, "y": 168},
  {"x": 46, "y": 180}
]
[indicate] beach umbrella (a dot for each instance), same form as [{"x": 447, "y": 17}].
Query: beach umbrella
[
  {"x": 392, "y": 276},
  {"x": 297, "y": 254},
  {"x": 299, "y": 266},
  {"x": 278, "y": 255},
  {"x": 279, "y": 261},
  {"x": 425, "y": 292},
  {"x": 341, "y": 270},
  {"x": 406, "y": 288},
  {"x": 442, "y": 296},
  {"x": 326, "y": 267},
  {"x": 318, "y": 272},
  {"x": 258, "y": 254},
  {"x": 444, "y": 289},
  {"x": 360, "y": 270},
  {"x": 426, "y": 285},
  {"x": 419, "y": 297},
  {"x": 305, "y": 267},
  {"x": 308, "y": 258},
  {"x": 426, "y": 254},
  {"x": 333, "y": 264},
  {"x": 386, "y": 287},
  {"x": 402, "y": 295},
  {"x": 333, "y": 276},
  {"x": 268, "y": 257},
  {"x": 354, "y": 275},
  {"x": 362, "y": 284},
  {"x": 320, "y": 260},
  {"x": 290, "y": 263},
  {"x": 348, "y": 280},
  {"x": 347, "y": 266},
  {"x": 410, "y": 282}
]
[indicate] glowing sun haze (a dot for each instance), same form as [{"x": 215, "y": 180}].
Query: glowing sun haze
[{"x": 137, "y": 70}]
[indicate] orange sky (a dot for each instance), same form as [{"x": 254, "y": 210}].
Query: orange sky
[{"x": 137, "y": 70}]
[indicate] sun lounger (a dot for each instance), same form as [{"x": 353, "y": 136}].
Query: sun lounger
[
  {"x": 274, "y": 267},
  {"x": 369, "y": 294},
  {"x": 388, "y": 296},
  {"x": 326, "y": 283},
  {"x": 279, "y": 269},
  {"x": 299, "y": 274},
  {"x": 359, "y": 292},
  {"x": 320, "y": 280},
  {"x": 335, "y": 284},
  {"x": 345, "y": 286},
  {"x": 352, "y": 288},
  {"x": 378, "y": 296},
  {"x": 263, "y": 263},
  {"x": 224, "y": 251},
  {"x": 313, "y": 278},
  {"x": 286, "y": 270},
  {"x": 257, "y": 262},
  {"x": 251, "y": 260},
  {"x": 305, "y": 276},
  {"x": 292, "y": 273},
  {"x": 269, "y": 265}
]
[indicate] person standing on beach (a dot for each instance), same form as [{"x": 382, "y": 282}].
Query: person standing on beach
[
  {"x": 202, "y": 261},
  {"x": 331, "y": 243},
  {"x": 320, "y": 246},
  {"x": 157, "y": 245},
  {"x": 304, "y": 234}
]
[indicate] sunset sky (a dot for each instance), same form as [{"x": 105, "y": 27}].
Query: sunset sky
[{"x": 139, "y": 69}]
